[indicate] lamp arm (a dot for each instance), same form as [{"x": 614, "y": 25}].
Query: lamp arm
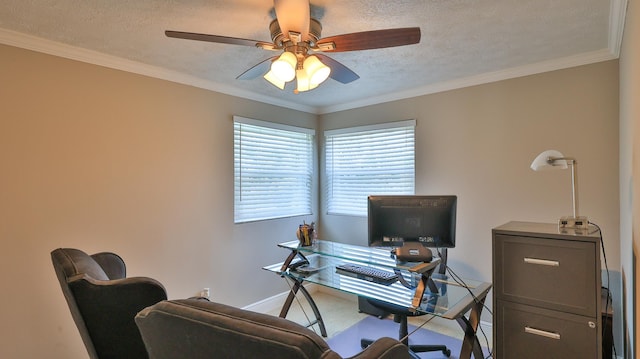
[
  {"x": 551, "y": 159},
  {"x": 574, "y": 187},
  {"x": 574, "y": 179}
]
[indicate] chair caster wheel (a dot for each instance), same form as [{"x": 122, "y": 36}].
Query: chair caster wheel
[{"x": 447, "y": 352}]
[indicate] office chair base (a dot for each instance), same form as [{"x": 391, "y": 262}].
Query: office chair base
[{"x": 415, "y": 348}]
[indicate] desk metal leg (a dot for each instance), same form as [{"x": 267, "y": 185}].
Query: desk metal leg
[
  {"x": 297, "y": 285},
  {"x": 424, "y": 283},
  {"x": 471, "y": 344}
]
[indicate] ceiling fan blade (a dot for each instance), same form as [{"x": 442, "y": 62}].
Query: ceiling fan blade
[
  {"x": 293, "y": 15},
  {"x": 257, "y": 70},
  {"x": 218, "y": 39},
  {"x": 339, "y": 72},
  {"x": 367, "y": 40}
]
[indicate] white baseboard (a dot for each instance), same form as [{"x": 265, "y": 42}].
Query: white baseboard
[{"x": 274, "y": 303}]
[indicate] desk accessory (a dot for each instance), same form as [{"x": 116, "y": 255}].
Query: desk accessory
[
  {"x": 305, "y": 234},
  {"x": 552, "y": 159}
]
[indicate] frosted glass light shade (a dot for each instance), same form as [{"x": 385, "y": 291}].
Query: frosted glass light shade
[
  {"x": 317, "y": 71},
  {"x": 303, "y": 80},
  {"x": 274, "y": 80},
  {"x": 284, "y": 68}
]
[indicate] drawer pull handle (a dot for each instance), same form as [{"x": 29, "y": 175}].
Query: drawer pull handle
[
  {"x": 542, "y": 333},
  {"x": 542, "y": 262}
]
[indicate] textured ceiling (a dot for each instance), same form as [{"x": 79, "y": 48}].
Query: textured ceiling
[{"x": 463, "y": 41}]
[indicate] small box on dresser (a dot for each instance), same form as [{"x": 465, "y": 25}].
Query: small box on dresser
[{"x": 547, "y": 285}]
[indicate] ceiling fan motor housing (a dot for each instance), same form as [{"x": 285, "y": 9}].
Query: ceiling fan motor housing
[{"x": 278, "y": 38}]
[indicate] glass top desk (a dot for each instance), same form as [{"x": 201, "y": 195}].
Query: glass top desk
[{"x": 419, "y": 288}]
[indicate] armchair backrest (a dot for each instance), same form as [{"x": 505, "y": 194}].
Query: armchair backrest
[
  {"x": 199, "y": 329},
  {"x": 194, "y": 329},
  {"x": 103, "y": 302}
]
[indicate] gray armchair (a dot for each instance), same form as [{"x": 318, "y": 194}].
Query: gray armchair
[
  {"x": 195, "y": 329},
  {"x": 103, "y": 302}
]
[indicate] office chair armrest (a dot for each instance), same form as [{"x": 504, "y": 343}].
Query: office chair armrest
[
  {"x": 112, "y": 264},
  {"x": 384, "y": 348}
]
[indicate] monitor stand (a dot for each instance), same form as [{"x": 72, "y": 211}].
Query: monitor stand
[{"x": 414, "y": 252}]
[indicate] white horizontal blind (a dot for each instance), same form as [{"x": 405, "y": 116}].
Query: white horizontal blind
[
  {"x": 368, "y": 160},
  {"x": 273, "y": 169}
]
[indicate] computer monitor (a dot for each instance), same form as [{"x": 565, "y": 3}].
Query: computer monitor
[{"x": 413, "y": 222}]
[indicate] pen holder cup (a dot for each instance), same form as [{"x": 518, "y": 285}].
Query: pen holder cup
[{"x": 305, "y": 234}]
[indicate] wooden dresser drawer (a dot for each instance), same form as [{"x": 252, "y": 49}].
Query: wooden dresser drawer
[
  {"x": 548, "y": 273},
  {"x": 529, "y": 332}
]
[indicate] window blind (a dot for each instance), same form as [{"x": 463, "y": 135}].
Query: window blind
[
  {"x": 273, "y": 169},
  {"x": 368, "y": 160}
]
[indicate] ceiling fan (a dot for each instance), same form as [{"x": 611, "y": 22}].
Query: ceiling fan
[{"x": 297, "y": 35}]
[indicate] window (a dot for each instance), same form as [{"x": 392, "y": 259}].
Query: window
[
  {"x": 362, "y": 161},
  {"x": 273, "y": 169}
]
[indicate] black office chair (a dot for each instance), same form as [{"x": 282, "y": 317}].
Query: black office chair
[
  {"x": 400, "y": 315},
  {"x": 104, "y": 302}
]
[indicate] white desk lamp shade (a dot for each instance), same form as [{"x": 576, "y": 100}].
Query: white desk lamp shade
[
  {"x": 552, "y": 159},
  {"x": 548, "y": 160}
]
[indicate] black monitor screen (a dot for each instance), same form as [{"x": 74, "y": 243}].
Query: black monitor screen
[{"x": 394, "y": 220}]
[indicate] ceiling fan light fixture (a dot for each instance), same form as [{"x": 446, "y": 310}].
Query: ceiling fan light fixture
[
  {"x": 303, "y": 83},
  {"x": 294, "y": 31},
  {"x": 316, "y": 70},
  {"x": 274, "y": 80},
  {"x": 284, "y": 68}
]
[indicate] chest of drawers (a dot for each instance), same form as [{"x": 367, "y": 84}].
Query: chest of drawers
[{"x": 547, "y": 285}]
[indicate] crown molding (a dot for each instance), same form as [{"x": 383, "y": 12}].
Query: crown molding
[
  {"x": 514, "y": 72},
  {"x": 616, "y": 28},
  {"x": 38, "y": 44},
  {"x": 617, "y": 16}
]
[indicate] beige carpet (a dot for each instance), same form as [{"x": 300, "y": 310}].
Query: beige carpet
[{"x": 341, "y": 311}]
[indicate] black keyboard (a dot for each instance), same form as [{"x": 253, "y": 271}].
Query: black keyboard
[{"x": 367, "y": 273}]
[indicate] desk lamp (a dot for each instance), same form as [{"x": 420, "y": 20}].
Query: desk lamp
[{"x": 552, "y": 159}]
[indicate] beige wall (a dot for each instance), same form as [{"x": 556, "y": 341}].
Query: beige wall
[
  {"x": 104, "y": 160},
  {"x": 478, "y": 143},
  {"x": 630, "y": 173}
]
